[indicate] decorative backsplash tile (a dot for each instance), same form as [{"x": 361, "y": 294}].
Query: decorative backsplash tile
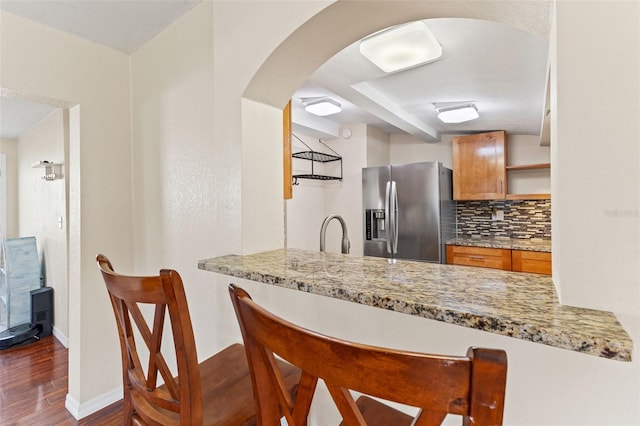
[{"x": 523, "y": 219}]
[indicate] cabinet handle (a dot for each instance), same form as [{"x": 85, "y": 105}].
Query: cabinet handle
[
  {"x": 500, "y": 185},
  {"x": 475, "y": 257}
]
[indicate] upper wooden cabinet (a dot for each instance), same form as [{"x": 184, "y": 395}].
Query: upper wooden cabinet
[{"x": 479, "y": 166}]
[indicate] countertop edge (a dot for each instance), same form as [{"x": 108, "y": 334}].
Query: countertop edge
[
  {"x": 592, "y": 345},
  {"x": 509, "y": 244}
]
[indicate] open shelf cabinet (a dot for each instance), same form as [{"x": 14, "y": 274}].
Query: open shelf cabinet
[{"x": 523, "y": 167}]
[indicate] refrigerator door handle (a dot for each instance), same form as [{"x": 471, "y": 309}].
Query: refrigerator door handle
[
  {"x": 387, "y": 216},
  {"x": 394, "y": 216}
]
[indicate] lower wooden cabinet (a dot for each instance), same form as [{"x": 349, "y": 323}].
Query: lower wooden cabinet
[
  {"x": 531, "y": 261},
  {"x": 479, "y": 256},
  {"x": 509, "y": 260}
]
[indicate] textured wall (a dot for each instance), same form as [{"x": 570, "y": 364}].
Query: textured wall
[
  {"x": 10, "y": 174},
  {"x": 42, "y": 204},
  {"x": 522, "y": 219}
]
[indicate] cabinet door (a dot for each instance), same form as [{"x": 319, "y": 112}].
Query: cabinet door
[
  {"x": 479, "y": 166},
  {"x": 531, "y": 261}
]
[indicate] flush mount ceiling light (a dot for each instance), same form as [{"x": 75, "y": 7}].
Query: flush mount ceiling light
[
  {"x": 458, "y": 113},
  {"x": 321, "y": 106},
  {"x": 401, "y": 47}
]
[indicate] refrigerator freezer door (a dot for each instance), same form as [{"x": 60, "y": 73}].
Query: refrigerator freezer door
[
  {"x": 418, "y": 214},
  {"x": 374, "y": 183}
]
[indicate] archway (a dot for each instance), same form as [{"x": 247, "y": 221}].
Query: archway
[{"x": 288, "y": 66}]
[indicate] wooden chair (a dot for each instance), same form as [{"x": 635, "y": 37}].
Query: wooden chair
[
  {"x": 471, "y": 386},
  {"x": 214, "y": 392}
]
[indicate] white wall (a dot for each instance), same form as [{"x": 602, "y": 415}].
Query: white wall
[
  {"x": 305, "y": 212},
  {"x": 409, "y": 149},
  {"x": 186, "y": 190},
  {"x": 260, "y": 178},
  {"x": 3, "y": 194},
  {"x": 526, "y": 149},
  {"x": 10, "y": 148},
  {"x": 345, "y": 197},
  {"x": 596, "y": 155},
  {"x": 378, "y": 147},
  {"x": 41, "y": 203},
  {"x": 177, "y": 174},
  {"x": 262, "y": 166},
  {"x": 306, "y": 209},
  {"x": 39, "y": 62}
]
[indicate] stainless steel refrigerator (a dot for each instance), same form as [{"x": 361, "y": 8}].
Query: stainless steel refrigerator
[{"x": 409, "y": 212}]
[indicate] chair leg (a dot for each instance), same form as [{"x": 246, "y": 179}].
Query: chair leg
[{"x": 128, "y": 408}]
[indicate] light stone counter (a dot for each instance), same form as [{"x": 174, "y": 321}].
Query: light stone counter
[
  {"x": 502, "y": 243},
  {"x": 519, "y": 305}
]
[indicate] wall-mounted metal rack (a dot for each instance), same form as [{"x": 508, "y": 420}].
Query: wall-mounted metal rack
[{"x": 316, "y": 157}]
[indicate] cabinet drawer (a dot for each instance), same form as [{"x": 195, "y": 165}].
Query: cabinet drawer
[
  {"x": 479, "y": 256},
  {"x": 531, "y": 261}
]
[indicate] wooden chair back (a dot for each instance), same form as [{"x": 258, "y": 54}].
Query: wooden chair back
[
  {"x": 471, "y": 386},
  {"x": 179, "y": 400}
]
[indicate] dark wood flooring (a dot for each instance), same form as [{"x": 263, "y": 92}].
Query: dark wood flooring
[{"x": 33, "y": 388}]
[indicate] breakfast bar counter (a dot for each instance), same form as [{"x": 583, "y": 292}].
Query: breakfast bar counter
[{"x": 518, "y": 305}]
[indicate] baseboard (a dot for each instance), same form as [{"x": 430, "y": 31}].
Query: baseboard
[
  {"x": 59, "y": 335},
  {"x": 80, "y": 411}
]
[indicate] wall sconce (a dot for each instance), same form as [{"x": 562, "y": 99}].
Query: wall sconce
[{"x": 49, "y": 169}]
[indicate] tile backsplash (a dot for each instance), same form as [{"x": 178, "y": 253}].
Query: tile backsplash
[{"x": 523, "y": 219}]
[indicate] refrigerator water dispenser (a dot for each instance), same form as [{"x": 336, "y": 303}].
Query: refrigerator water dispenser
[{"x": 374, "y": 224}]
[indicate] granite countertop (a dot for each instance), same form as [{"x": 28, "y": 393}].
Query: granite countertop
[
  {"x": 502, "y": 243},
  {"x": 519, "y": 305}
]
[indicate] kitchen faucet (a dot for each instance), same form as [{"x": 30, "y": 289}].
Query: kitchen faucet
[{"x": 323, "y": 232}]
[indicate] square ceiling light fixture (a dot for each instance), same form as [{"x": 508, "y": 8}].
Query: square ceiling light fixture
[
  {"x": 458, "y": 113},
  {"x": 401, "y": 47},
  {"x": 321, "y": 106}
]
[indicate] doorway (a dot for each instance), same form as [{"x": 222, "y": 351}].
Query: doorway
[{"x": 35, "y": 196}]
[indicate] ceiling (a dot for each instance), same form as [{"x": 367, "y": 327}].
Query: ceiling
[
  {"x": 17, "y": 116},
  {"x": 123, "y": 25},
  {"x": 501, "y": 69}
]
